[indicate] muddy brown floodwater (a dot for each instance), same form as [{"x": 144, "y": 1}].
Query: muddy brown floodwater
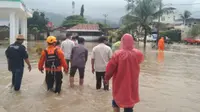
[{"x": 169, "y": 82}]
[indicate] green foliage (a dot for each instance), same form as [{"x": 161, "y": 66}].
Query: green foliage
[
  {"x": 115, "y": 35},
  {"x": 38, "y": 21},
  {"x": 102, "y": 26},
  {"x": 73, "y": 20},
  {"x": 141, "y": 14},
  {"x": 185, "y": 16},
  {"x": 35, "y": 31},
  {"x": 194, "y": 31},
  {"x": 82, "y": 11},
  {"x": 174, "y": 35}
]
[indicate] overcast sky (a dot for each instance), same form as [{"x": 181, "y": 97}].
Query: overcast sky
[{"x": 96, "y": 8}]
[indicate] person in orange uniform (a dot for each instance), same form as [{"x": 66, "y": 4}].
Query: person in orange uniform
[
  {"x": 161, "y": 44},
  {"x": 53, "y": 60}
]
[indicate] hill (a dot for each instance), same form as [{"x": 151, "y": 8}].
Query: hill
[{"x": 57, "y": 19}]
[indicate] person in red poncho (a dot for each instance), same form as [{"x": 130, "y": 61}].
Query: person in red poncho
[{"x": 124, "y": 67}]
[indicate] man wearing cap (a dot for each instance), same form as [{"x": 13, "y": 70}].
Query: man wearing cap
[
  {"x": 16, "y": 55},
  {"x": 53, "y": 60}
]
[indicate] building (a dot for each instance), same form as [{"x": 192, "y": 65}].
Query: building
[
  {"x": 170, "y": 18},
  {"x": 90, "y": 32},
  {"x": 17, "y": 13}
]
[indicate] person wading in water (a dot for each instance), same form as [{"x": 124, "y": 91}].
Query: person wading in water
[
  {"x": 101, "y": 54},
  {"x": 16, "y": 54},
  {"x": 53, "y": 59},
  {"x": 78, "y": 61},
  {"x": 124, "y": 67}
]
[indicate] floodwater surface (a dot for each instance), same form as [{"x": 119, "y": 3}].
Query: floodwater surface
[{"x": 169, "y": 82}]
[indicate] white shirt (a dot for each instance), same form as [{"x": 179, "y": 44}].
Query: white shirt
[
  {"x": 101, "y": 55},
  {"x": 66, "y": 47}
]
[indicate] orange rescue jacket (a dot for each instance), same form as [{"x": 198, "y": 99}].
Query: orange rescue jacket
[{"x": 50, "y": 50}]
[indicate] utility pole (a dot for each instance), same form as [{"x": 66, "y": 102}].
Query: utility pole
[
  {"x": 73, "y": 7},
  {"x": 105, "y": 16},
  {"x": 158, "y": 27}
]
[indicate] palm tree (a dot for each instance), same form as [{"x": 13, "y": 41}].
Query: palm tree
[
  {"x": 142, "y": 13},
  {"x": 185, "y": 16}
]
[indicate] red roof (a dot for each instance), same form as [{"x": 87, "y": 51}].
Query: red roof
[{"x": 85, "y": 27}]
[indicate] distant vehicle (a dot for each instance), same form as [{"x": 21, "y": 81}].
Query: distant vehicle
[
  {"x": 150, "y": 38},
  {"x": 191, "y": 41}
]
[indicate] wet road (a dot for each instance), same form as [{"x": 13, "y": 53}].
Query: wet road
[{"x": 169, "y": 82}]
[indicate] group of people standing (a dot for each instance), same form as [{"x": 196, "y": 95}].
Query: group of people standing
[{"x": 123, "y": 66}]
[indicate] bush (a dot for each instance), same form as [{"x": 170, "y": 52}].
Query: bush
[
  {"x": 173, "y": 35},
  {"x": 194, "y": 31}
]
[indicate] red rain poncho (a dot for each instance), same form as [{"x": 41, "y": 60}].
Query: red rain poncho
[{"x": 124, "y": 67}]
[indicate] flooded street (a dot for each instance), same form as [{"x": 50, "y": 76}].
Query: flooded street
[{"x": 169, "y": 82}]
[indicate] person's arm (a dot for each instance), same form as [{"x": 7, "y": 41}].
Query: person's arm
[
  {"x": 62, "y": 46},
  {"x": 86, "y": 55},
  {"x": 28, "y": 63},
  {"x": 92, "y": 61},
  {"x": 7, "y": 56},
  {"x": 72, "y": 53},
  {"x": 26, "y": 58},
  {"x": 63, "y": 61},
  {"x": 110, "y": 53},
  {"x": 140, "y": 56},
  {"x": 111, "y": 68},
  {"x": 41, "y": 62}
]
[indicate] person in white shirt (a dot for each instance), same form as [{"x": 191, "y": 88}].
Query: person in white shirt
[
  {"x": 66, "y": 47},
  {"x": 101, "y": 54}
]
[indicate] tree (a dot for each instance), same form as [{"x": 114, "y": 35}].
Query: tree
[
  {"x": 35, "y": 31},
  {"x": 38, "y": 21},
  {"x": 141, "y": 14},
  {"x": 194, "y": 31},
  {"x": 73, "y": 20},
  {"x": 185, "y": 16},
  {"x": 82, "y": 11}
]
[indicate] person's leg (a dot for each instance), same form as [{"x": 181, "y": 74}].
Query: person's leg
[
  {"x": 18, "y": 78},
  {"x": 106, "y": 86},
  {"x": 49, "y": 80},
  {"x": 98, "y": 80},
  {"x": 13, "y": 78},
  {"x": 58, "y": 79},
  {"x": 67, "y": 64},
  {"x": 72, "y": 73},
  {"x": 128, "y": 109},
  {"x": 81, "y": 74},
  {"x": 115, "y": 106}
]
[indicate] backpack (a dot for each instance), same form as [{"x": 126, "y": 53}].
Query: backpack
[{"x": 52, "y": 61}]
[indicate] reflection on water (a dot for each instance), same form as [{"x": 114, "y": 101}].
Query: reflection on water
[
  {"x": 160, "y": 56},
  {"x": 169, "y": 82}
]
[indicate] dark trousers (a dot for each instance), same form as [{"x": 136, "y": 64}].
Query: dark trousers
[
  {"x": 125, "y": 109},
  {"x": 80, "y": 70},
  {"x": 17, "y": 75},
  {"x": 99, "y": 78},
  {"x": 67, "y": 64},
  {"x": 55, "y": 77}
]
